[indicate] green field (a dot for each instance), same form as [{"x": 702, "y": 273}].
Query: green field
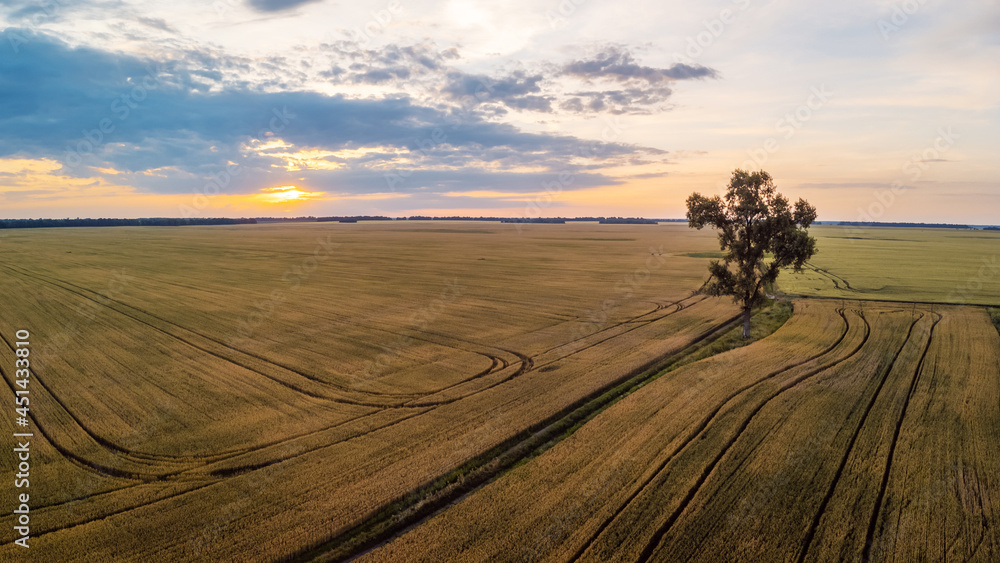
[
  {"x": 459, "y": 391},
  {"x": 900, "y": 264}
]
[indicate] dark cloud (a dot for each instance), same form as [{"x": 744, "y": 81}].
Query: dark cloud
[
  {"x": 843, "y": 186},
  {"x": 159, "y": 124},
  {"x": 461, "y": 180},
  {"x": 647, "y": 175},
  {"x": 517, "y": 90},
  {"x": 680, "y": 71},
  {"x": 380, "y": 76},
  {"x": 617, "y": 64},
  {"x": 156, "y": 23},
  {"x": 638, "y": 89},
  {"x": 391, "y": 64},
  {"x": 30, "y": 13},
  {"x": 574, "y": 105},
  {"x": 643, "y": 86},
  {"x": 628, "y": 100},
  {"x": 277, "y": 5}
]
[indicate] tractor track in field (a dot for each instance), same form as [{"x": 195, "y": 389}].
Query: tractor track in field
[
  {"x": 70, "y": 456},
  {"x": 528, "y": 362},
  {"x": 219, "y": 475},
  {"x": 211, "y": 480},
  {"x": 404, "y": 400},
  {"x": 661, "y": 532},
  {"x": 398, "y": 396},
  {"x": 403, "y": 397},
  {"x": 814, "y": 526},
  {"x": 119, "y": 511},
  {"x": 229, "y": 472},
  {"x": 492, "y": 353},
  {"x": 409, "y": 398},
  {"x": 78, "y": 291},
  {"x": 495, "y": 360},
  {"x": 142, "y": 458},
  {"x": 873, "y": 521},
  {"x": 497, "y": 461},
  {"x": 145, "y": 458},
  {"x": 130, "y": 455},
  {"x": 170, "y": 474},
  {"x": 706, "y": 422},
  {"x": 531, "y": 359},
  {"x": 94, "y": 495},
  {"x": 528, "y": 365},
  {"x": 832, "y": 277},
  {"x": 638, "y": 319},
  {"x": 836, "y": 284}
]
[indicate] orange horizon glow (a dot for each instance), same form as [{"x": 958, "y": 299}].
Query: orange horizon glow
[
  {"x": 37, "y": 187},
  {"x": 285, "y": 194}
]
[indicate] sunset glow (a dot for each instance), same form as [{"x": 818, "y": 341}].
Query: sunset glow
[
  {"x": 286, "y": 194},
  {"x": 487, "y": 109}
]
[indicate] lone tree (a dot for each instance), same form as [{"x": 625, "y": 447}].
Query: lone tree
[{"x": 755, "y": 224}]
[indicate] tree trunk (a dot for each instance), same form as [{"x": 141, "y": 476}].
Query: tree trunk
[{"x": 746, "y": 323}]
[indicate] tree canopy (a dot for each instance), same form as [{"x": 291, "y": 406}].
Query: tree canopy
[{"x": 759, "y": 232}]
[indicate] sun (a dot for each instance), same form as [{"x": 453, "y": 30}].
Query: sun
[
  {"x": 467, "y": 15},
  {"x": 286, "y": 194}
]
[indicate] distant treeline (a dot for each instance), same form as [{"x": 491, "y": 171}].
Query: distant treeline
[
  {"x": 601, "y": 220},
  {"x": 450, "y": 218},
  {"x": 991, "y": 228},
  {"x": 147, "y": 222},
  {"x": 918, "y": 225},
  {"x": 354, "y": 219},
  {"x": 625, "y": 221},
  {"x": 309, "y": 219},
  {"x": 549, "y": 220},
  {"x": 175, "y": 222}
]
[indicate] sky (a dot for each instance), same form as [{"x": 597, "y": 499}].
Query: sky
[{"x": 884, "y": 111}]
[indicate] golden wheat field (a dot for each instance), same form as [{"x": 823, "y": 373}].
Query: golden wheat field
[
  {"x": 473, "y": 391},
  {"x": 854, "y": 432}
]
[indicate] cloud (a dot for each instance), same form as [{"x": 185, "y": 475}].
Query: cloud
[
  {"x": 391, "y": 64},
  {"x": 428, "y": 71},
  {"x": 619, "y": 65},
  {"x": 156, "y": 23},
  {"x": 379, "y": 76},
  {"x": 426, "y": 68},
  {"x": 277, "y": 5},
  {"x": 30, "y": 13},
  {"x": 156, "y": 125},
  {"x": 517, "y": 90},
  {"x": 640, "y": 88},
  {"x": 839, "y": 186},
  {"x": 629, "y": 100}
]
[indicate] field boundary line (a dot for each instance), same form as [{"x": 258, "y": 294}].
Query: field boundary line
[
  {"x": 811, "y": 532},
  {"x": 290, "y": 385},
  {"x": 697, "y": 431},
  {"x": 873, "y": 521},
  {"x": 661, "y": 532},
  {"x": 442, "y": 491},
  {"x": 860, "y": 297}
]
